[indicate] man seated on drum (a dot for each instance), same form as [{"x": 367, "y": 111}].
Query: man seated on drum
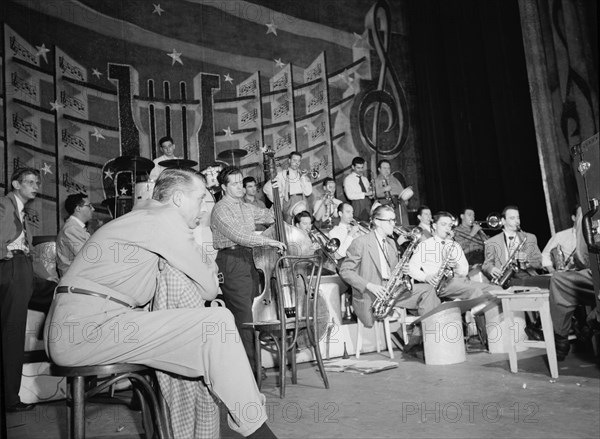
[
  {"x": 73, "y": 234},
  {"x": 233, "y": 223},
  {"x": 325, "y": 209},
  {"x": 114, "y": 276},
  {"x": 167, "y": 148},
  {"x": 560, "y": 250},
  {"x": 518, "y": 246},
  {"x": 470, "y": 236},
  {"x": 370, "y": 263},
  {"x": 346, "y": 230}
]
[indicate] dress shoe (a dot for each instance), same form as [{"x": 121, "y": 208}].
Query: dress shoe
[
  {"x": 534, "y": 333},
  {"x": 474, "y": 344},
  {"x": 562, "y": 347},
  {"x": 19, "y": 407}
]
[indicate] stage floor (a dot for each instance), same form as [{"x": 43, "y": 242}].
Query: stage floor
[{"x": 478, "y": 398}]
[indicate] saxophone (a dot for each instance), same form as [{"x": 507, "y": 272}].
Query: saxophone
[
  {"x": 387, "y": 194},
  {"x": 510, "y": 266},
  {"x": 399, "y": 284},
  {"x": 445, "y": 273}
]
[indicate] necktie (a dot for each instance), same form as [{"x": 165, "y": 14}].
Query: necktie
[
  {"x": 361, "y": 184},
  {"x": 511, "y": 245},
  {"x": 25, "y": 243}
]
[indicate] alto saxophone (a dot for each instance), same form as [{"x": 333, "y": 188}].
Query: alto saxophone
[
  {"x": 399, "y": 284},
  {"x": 509, "y": 268},
  {"x": 445, "y": 273}
]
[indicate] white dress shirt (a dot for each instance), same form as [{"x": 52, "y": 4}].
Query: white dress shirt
[
  {"x": 352, "y": 187},
  {"x": 429, "y": 255},
  {"x": 567, "y": 241}
]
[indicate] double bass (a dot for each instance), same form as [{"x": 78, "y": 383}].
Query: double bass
[{"x": 265, "y": 258}]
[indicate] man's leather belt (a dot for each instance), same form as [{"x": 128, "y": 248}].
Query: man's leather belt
[
  {"x": 16, "y": 253},
  {"x": 233, "y": 247},
  {"x": 73, "y": 290}
]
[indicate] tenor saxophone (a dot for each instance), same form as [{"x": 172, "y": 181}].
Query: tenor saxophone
[{"x": 399, "y": 284}]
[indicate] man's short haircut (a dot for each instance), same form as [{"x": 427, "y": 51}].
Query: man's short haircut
[
  {"x": 358, "y": 161},
  {"x": 507, "y": 208},
  {"x": 73, "y": 201},
  {"x": 382, "y": 161},
  {"x": 421, "y": 209},
  {"x": 442, "y": 214},
  {"x": 247, "y": 180},
  {"x": 340, "y": 207},
  {"x": 300, "y": 215},
  {"x": 327, "y": 180},
  {"x": 165, "y": 139},
  {"x": 465, "y": 209},
  {"x": 226, "y": 172},
  {"x": 21, "y": 173},
  {"x": 171, "y": 180},
  {"x": 293, "y": 153},
  {"x": 380, "y": 209}
]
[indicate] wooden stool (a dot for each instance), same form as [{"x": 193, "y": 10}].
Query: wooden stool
[
  {"x": 398, "y": 315},
  {"x": 536, "y": 300},
  {"x": 77, "y": 394}
]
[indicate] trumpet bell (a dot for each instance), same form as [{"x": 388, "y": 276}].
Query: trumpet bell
[
  {"x": 332, "y": 245},
  {"x": 493, "y": 221}
]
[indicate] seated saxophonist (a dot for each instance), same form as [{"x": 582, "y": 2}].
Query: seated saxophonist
[
  {"x": 440, "y": 261},
  {"x": 559, "y": 253},
  {"x": 470, "y": 236},
  {"x": 370, "y": 263},
  {"x": 513, "y": 250}
]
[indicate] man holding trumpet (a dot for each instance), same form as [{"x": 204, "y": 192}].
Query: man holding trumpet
[{"x": 470, "y": 236}]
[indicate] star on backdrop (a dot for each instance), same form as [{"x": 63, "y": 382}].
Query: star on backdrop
[
  {"x": 55, "y": 106},
  {"x": 228, "y": 78},
  {"x": 157, "y": 9},
  {"x": 97, "y": 134},
  {"x": 42, "y": 51},
  {"x": 46, "y": 169},
  {"x": 108, "y": 174},
  {"x": 271, "y": 28},
  {"x": 362, "y": 40},
  {"x": 96, "y": 73},
  {"x": 175, "y": 56},
  {"x": 278, "y": 63},
  {"x": 228, "y": 132},
  {"x": 123, "y": 191}
]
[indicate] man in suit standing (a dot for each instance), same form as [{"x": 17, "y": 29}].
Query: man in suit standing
[
  {"x": 16, "y": 281},
  {"x": 499, "y": 248},
  {"x": 73, "y": 234},
  {"x": 370, "y": 261}
]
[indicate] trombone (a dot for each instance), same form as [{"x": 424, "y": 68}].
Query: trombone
[
  {"x": 328, "y": 245},
  {"x": 492, "y": 221},
  {"x": 362, "y": 227}
]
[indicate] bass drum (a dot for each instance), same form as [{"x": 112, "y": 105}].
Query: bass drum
[{"x": 143, "y": 191}]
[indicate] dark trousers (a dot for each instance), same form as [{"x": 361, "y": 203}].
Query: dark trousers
[
  {"x": 239, "y": 288},
  {"x": 567, "y": 290},
  {"x": 362, "y": 209},
  {"x": 16, "y": 289}
]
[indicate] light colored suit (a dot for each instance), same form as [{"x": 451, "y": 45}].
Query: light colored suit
[
  {"x": 69, "y": 241},
  {"x": 10, "y": 223},
  {"x": 496, "y": 252},
  {"x": 362, "y": 266}
]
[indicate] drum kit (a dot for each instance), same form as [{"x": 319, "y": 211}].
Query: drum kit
[{"x": 131, "y": 183}]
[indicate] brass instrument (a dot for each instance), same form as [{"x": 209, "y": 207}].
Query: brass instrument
[
  {"x": 362, "y": 228},
  {"x": 312, "y": 173},
  {"x": 399, "y": 283},
  {"x": 328, "y": 197},
  {"x": 328, "y": 245},
  {"x": 404, "y": 231},
  {"x": 510, "y": 266},
  {"x": 492, "y": 221},
  {"x": 445, "y": 273},
  {"x": 559, "y": 262}
]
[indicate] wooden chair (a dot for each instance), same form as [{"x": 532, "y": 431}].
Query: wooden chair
[
  {"x": 145, "y": 388},
  {"x": 399, "y": 315},
  {"x": 282, "y": 336}
]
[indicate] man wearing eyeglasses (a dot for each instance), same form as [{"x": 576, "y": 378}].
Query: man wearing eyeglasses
[
  {"x": 370, "y": 261},
  {"x": 73, "y": 234}
]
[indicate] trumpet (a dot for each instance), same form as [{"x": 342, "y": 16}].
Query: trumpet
[
  {"x": 404, "y": 231},
  {"x": 312, "y": 173}
]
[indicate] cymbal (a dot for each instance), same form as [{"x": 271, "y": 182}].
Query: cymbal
[
  {"x": 232, "y": 154},
  {"x": 178, "y": 163},
  {"x": 139, "y": 164}
]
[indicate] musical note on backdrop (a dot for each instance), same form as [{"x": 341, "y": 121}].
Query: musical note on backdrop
[{"x": 388, "y": 97}]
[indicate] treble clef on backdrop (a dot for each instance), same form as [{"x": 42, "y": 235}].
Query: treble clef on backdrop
[{"x": 389, "y": 96}]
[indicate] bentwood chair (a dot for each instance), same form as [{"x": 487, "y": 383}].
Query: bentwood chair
[
  {"x": 294, "y": 325},
  {"x": 142, "y": 378}
]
